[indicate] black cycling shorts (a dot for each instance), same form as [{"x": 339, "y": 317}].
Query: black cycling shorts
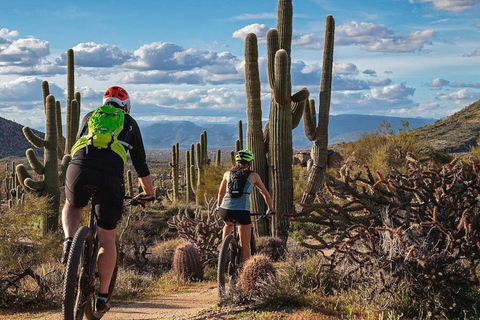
[
  {"x": 241, "y": 216},
  {"x": 108, "y": 200}
]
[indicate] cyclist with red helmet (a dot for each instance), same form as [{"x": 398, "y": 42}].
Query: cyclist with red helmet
[
  {"x": 104, "y": 169},
  {"x": 237, "y": 208}
]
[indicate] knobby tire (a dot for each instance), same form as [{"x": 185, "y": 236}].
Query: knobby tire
[
  {"x": 225, "y": 262},
  {"x": 79, "y": 258}
]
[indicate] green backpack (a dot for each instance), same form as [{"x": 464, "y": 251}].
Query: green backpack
[{"x": 104, "y": 126}]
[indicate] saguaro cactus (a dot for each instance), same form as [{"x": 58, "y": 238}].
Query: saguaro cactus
[
  {"x": 174, "y": 164},
  {"x": 49, "y": 186},
  {"x": 285, "y": 114},
  {"x": 318, "y": 134}
]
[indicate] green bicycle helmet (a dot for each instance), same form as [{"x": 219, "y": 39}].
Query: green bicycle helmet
[{"x": 244, "y": 155}]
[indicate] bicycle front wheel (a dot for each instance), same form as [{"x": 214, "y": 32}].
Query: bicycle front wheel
[
  {"x": 76, "y": 285},
  {"x": 227, "y": 267}
]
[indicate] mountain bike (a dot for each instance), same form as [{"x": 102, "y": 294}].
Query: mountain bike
[
  {"x": 230, "y": 258},
  {"x": 81, "y": 276}
]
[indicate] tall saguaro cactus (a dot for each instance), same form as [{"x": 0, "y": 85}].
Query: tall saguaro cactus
[
  {"x": 174, "y": 164},
  {"x": 49, "y": 186},
  {"x": 318, "y": 134},
  {"x": 254, "y": 136}
]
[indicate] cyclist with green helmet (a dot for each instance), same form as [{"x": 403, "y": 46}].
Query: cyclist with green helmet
[{"x": 233, "y": 208}]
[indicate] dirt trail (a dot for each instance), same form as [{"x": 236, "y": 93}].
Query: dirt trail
[{"x": 188, "y": 305}]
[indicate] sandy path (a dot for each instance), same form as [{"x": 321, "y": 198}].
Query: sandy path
[{"x": 187, "y": 305}]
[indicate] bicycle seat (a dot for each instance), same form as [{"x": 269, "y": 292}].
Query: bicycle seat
[{"x": 91, "y": 188}]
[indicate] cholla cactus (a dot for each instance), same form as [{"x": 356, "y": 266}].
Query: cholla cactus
[
  {"x": 186, "y": 262},
  {"x": 203, "y": 229},
  {"x": 255, "y": 270}
]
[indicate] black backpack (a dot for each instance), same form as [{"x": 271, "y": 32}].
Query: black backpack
[{"x": 237, "y": 182}]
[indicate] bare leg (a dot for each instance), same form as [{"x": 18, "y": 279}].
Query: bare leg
[
  {"x": 71, "y": 217},
  {"x": 245, "y": 232},
  {"x": 107, "y": 256},
  {"x": 227, "y": 229}
]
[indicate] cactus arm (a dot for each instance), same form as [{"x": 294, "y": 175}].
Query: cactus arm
[
  {"x": 32, "y": 138},
  {"x": 272, "y": 48},
  {"x": 34, "y": 185},
  {"x": 281, "y": 91},
  {"x": 36, "y": 165},
  {"x": 22, "y": 175},
  {"x": 309, "y": 120},
  {"x": 45, "y": 92}
]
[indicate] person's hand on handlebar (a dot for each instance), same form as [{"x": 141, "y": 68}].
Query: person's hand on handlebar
[
  {"x": 270, "y": 213},
  {"x": 142, "y": 199}
]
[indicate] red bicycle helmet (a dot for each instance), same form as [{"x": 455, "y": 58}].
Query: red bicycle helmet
[{"x": 119, "y": 96}]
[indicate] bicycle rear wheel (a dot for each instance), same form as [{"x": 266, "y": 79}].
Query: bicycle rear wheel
[
  {"x": 90, "y": 312},
  {"x": 227, "y": 266},
  {"x": 76, "y": 285}
]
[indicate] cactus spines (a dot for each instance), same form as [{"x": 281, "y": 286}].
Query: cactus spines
[
  {"x": 256, "y": 269},
  {"x": 186, "y": 262},
  {"x": 318, "y": 134}
]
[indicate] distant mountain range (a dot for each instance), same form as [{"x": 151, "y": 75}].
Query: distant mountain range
[
  {"x": 342, "y": 128},
  {"x": 456, "y": 133}
]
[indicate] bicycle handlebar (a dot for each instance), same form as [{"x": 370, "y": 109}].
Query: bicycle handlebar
[{"x": 137, "y": 200}]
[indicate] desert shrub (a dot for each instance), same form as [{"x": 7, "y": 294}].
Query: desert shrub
[
  {"x": 131, "y": 284},
  {"x": 29, "y": 274},
  {"x": 271, "y": 247},
  {"x": 409, "y": 242}
]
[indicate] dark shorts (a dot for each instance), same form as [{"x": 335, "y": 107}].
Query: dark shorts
[
  {"x": 241, "y": 216},
  {"x": 108, "y": 200}
]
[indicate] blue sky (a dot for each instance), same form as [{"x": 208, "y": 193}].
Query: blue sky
[{"x": 183, "y": 60}]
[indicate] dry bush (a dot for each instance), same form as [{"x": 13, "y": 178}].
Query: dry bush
[
  {"x": 29, "y": 264},
  {"x": 412, "y": 239}
]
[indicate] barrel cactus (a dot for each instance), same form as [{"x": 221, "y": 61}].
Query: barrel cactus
[
  {"x": 255, "y": 270},
  {"x": 186, "y": 262}
]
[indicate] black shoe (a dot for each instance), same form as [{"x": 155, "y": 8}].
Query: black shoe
[
  {"x": 102, "y": 305},
  {"x": 66, "y": 250}
]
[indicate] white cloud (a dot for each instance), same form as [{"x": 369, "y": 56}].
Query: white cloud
[
  {"x": 438, "y": 83},
  {"x": 345, "y": 68},
  {"x": 91, "y": 54},
  {"x": 379, "y": 82},
  {"x": 460, "y": 95},
  {"x": 260, "y": 31},
  {"x": 378, "y": 38},
  {"x": 450, "y": 5},
  {"x": 5, "y": 33},
  {"x": 22, "y": 52},
  {"x": 392, "y": 92}
]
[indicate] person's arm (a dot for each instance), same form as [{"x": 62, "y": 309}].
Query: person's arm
[
  {"x": 147, "y": 185},
  {"x": 257, "y": 181},
  {"x": 222, "y": 189}
]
